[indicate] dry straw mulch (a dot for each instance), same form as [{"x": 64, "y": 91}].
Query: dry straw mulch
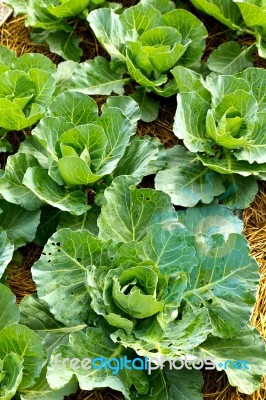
[{"x": 16, "y": 36}]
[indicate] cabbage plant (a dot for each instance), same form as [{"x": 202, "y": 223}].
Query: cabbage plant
[
  {"x": 221, "y": 121},
  {"x": 151, "y": 38},
  {"x": 154, "y": 282},
  {"x": 25, "y": 350},
  {"x": 74, "y": 151},
  {"x": 22, "y": 351},
  {"x": 27, "y": 85},
  {"x": 244, "y": 16}
]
